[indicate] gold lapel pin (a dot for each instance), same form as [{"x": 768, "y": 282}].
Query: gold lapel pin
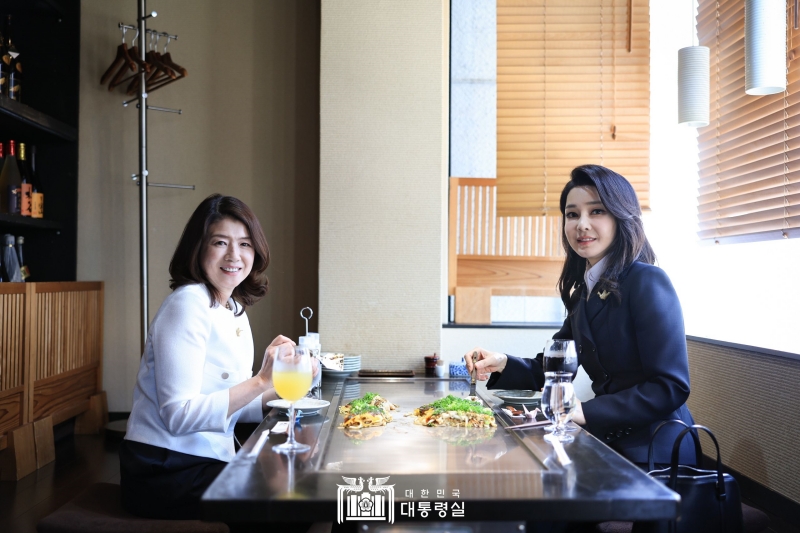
[
  {"x": 238, "y": 332},
  {"x": 603, "y": 295}
]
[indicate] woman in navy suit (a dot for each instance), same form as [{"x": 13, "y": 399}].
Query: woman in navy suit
[{"x": 624, "y": 317}]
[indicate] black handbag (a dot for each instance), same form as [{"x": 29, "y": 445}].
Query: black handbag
[{"x": 710, "y": 499}]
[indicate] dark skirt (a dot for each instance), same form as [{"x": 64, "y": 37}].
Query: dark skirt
[{"x": 161, "y": 483}]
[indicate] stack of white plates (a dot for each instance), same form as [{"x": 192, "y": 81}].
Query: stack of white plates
[{"x": 351, "y": 364}]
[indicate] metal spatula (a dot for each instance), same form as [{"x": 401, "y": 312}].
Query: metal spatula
[{"x": 472, "y": 375}]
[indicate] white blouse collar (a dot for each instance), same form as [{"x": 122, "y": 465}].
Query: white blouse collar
[{"x": 593, "y": 274}]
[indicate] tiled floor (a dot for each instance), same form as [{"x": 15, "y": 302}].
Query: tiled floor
[{"x": 85, "y": 459}]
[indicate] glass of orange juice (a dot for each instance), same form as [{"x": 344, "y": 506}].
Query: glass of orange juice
[{"x": 291, "y": 376}]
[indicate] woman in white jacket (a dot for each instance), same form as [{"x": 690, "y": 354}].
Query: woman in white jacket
[{"x": 195, "y": 379}]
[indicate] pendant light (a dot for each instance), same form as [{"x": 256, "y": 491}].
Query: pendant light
[
  {"x": 764, "y": 46},
  {"x": 693, "y": 76}
]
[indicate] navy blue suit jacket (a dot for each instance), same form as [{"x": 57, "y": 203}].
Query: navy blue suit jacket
[{"x": 634, "y": 351}]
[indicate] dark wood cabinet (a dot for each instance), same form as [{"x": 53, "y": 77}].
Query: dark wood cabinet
[{"x": 47, "y": 35}]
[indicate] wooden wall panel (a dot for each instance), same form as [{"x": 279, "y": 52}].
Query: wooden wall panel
[
  {"x": 68, "y": 329},
  {"x": 11, "y": 410},
  {"x": 514, "y": 256},
  {"x": 510, "y": 276},
  {"x": 12, "y": 335},
  {"x": 60, "y": 392},
  {"x": 50, "y": 337}
]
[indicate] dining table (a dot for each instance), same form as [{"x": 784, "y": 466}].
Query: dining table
[{"x": 405, "y": 472}]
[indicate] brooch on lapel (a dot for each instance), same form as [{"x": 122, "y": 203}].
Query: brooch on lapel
[
  {"x": 238, "y": 331},
  {"x": 603, "y": 295}
]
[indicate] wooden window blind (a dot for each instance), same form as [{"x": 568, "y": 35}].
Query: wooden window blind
[
  {"x": 749, "y": 154},
  {"x": 573, "y": 87}
]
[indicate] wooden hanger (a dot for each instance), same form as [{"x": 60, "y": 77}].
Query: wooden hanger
[
  {"x": 159, "y": 69},
  {"x": 122, "y": 61},
  {"x": 143, "y": 65},
  {"x": 167, "y": 60},
  {"x": 129, "y": 63},
  {"x": 133, "y": 54}
]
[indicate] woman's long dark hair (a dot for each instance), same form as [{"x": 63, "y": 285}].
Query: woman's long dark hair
[
  {"x": 186, "y": 265},
  {"x": 630, "y": 243}
]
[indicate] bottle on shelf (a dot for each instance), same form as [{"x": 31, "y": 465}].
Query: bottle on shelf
[
  {"x": 26, "y": 187},
  {"x": 11, "y": 179},
  {"x": 3, "y": 183},
  {"x": 23, "y": 268},
  {"x": 10, "y": 259},
  {"x": 37, "y": 193},
  {"x": 5, "y": 66},
  {"x": 15, "y": 66}
]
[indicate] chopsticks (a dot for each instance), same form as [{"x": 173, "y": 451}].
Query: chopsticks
[
  {"x": 561, "y": 453},
  {"x": 527, "y": 425},
  {"x": 262, "y": 439}
]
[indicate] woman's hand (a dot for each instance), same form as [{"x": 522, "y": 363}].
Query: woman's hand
[
  {"x": 577, "y": 415},
  {"x": 485, "y": 362},
  {"x": 265, "y": 373}
]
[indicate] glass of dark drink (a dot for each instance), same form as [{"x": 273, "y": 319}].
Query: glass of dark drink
[
  {"x": 560, "y": 356},
  {"x": 560, "y": 364}
]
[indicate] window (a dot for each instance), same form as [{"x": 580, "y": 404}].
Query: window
[
  {"x": 573, "y": 87},
  {"x": 749, "y": 164}
]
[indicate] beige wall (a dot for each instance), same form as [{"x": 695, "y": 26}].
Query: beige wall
[
  {"x": 249, "y": 128},
  {"x": 383, "y": 132}
]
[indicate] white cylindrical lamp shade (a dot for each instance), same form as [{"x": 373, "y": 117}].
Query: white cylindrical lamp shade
[
  {"x": 764, "y": 46},
  {"x": 693, "y": 76}
]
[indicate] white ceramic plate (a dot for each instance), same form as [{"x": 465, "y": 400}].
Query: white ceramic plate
[
  {"x": 518, "y": 397},
  {"x": 308, "y": 406},
  {"x": 336, "y": 373}
]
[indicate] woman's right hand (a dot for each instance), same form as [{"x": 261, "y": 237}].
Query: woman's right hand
[
  {"x": 485, "y": 362},
  {"x": 265, "y": 373}
]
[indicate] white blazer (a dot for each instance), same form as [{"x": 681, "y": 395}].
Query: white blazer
[{"x": 193, "y": 355}]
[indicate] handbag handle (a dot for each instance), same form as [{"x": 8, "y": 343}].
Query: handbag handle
[
  {"x": 697, "y": 450},
  {"x": 673, "y": 477}
]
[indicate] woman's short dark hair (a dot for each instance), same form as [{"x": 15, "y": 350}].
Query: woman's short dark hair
[
  {"x": 630, "y": 242},
  {"x": 186, "y": 265}
]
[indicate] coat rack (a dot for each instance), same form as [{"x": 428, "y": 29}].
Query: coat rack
[{"x": 141, "y": 176}]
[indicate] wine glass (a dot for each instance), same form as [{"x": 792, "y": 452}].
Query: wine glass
[
  {"x": 560, "y": 356},
  {"x": 291, "y": 375},
  {"x": 558, "y": 404}
]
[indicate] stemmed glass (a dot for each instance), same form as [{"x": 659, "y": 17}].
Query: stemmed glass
[
  {"x": 291, "y": 375},
  {"x": 560, "y": 358},
  {"x": 558, "y": 404}
]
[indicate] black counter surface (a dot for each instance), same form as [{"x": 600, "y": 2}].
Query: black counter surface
[{"x": 489, "y": 475}]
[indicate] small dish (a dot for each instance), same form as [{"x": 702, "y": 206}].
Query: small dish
[
  {"x": 512, "y": 415},
  {"x": 519, "y": 397},
  {"x": 303, "y": 406}
]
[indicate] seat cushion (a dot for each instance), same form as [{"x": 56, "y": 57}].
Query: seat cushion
[
  {"x": 98, "y": 509},
  {"x": 754, "y": 520},
  {"x": 614, "y": 527}
]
